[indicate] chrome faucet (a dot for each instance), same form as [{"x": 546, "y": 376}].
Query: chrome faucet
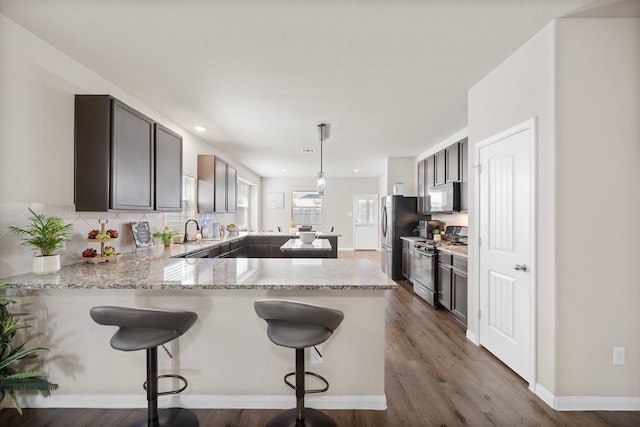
[{"x": 185, "y": 228}]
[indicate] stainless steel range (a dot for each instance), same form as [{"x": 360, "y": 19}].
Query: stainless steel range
[
  {"x": 424, "y": 265},
  {"x": 423, "y": 271}
]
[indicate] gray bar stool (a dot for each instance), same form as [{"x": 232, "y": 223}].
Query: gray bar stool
[
  {"x": 298, "y": 325},
  {"x": 141, "y": 329}
]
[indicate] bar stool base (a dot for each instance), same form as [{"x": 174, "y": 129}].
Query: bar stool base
[
  {"x": 312, "y": 418},
  {"x": 172, "y": 417}
]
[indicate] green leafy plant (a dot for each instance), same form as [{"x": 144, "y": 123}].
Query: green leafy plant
[
  {"x": 166, "y": 235},
  {"x": 44, "y": 233},
  {"x": 13, "y": 381}
]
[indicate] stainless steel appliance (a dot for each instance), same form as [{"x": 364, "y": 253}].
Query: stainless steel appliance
[
  {"x": 398, "y": 218},
  {"x": 423, "y": 271},
  {"x": 424, "y": 265},
  {"x": 443, "y": 198}
]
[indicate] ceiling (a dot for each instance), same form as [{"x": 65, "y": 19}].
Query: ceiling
[{"x": 390, "y": 77}]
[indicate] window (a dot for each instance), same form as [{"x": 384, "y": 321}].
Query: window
[
  {"x": 306, "y": 207},
  {"x": 242, "y": 210},
  {"x": 188, "y": 203}
]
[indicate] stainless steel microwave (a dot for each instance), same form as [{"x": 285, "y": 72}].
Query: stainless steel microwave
[{"x": 443, "y": 198}]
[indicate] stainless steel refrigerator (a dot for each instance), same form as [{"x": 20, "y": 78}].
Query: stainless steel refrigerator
[{"x": 399, "y": 218}]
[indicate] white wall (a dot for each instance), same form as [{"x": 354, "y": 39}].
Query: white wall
[
  {"x": 519, "y": 89},
  {"x": 580, "y": 78},
  {"x": 38, "y": 84},
  {"x": 598, "y": 173},
  {"x": 337, "y": 204}
]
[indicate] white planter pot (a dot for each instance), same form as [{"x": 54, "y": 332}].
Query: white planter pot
[{"x": 46, "y": 264}]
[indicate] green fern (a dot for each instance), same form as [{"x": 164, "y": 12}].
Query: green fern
[{"x": 11, "y": 381}]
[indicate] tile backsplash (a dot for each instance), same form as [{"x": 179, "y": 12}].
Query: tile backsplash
[{"x": 17, "y": 259}]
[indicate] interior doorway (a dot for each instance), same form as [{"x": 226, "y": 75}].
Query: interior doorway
[{"x": 365, "y": 221}]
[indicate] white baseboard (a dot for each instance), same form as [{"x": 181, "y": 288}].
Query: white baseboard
[
  {"x": 471, "y": 336},
  {"x": 111, "y": 401},
  {"x": 588, "y": 403}
]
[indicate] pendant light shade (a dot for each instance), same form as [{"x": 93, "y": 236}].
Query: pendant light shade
[{"x": 320, "y": 181}]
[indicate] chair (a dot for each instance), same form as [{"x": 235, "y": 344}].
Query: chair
[
  {"x": 299, "y": 325},
  {"x": 141, "y": 329}
]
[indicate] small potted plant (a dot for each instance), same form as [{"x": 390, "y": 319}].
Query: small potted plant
[
  {"x": 46, "y": 234},
  {"x": 166, "y": 236},
  {"x": 13, "y": 381}
]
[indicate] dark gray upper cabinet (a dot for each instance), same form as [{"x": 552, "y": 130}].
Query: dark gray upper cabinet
[
  {"x": 115, "y": 158},
  {"x": 220, "y": 186},
  {"x": 232, "y": 189},
  {"x": 422, "y": 191},
  {"x": 168, "y": 170},
  {"x": 464, "y": 175},
  {"x": 452, "y": 156},
  {"x": 217, "y": 185},
  {"x": 132, "y": 153},
  {"x": 440, "y": 167}
]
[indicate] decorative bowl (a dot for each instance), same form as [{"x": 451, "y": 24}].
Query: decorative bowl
[{"x": 307, "y": 236}]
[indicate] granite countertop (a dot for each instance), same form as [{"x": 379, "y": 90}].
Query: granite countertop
[
  {"x": 412, "y": 238},
  {"x": 158, "y": 267},
  {"x": 157, "y": 272},
  {"x": 461, "y": 250}
]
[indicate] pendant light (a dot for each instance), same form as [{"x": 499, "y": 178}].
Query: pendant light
[{"x": 320, "y": 182}]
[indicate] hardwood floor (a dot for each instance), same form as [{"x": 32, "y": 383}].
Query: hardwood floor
[{"x": 434, "y": 377}]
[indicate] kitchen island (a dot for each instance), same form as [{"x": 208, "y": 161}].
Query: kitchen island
[{"x": 226, "y": 356}]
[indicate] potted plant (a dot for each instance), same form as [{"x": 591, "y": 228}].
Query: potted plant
[
  {"x": 13, "y": 381},
  {"x": 46, "y": 234},
  {"x": 166, "y": 236}
]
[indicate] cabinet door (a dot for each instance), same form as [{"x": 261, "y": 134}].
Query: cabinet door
[
  {"x": 168, "y": 170},
  {"x": 452, "y": 156},
  {"x": 421, "y": 186},
  {"x": 406, "y": 260},
  {"x": 444, "y": 285},
  {"x": 459, "y": 297},
  {"x": 220, "y": 186},
  {"x": 132, "y": 159},
  {"x": 464, "y": 175},
  {"x": 440, "y": 167},
  {"x": 430, "y": 172},
  {"x": 232, "y": 188}
]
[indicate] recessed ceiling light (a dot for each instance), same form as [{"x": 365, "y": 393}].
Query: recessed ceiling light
[
  {"x": 307, "y": 150},
  {"x": 200, "y": 128},
  {"x": 356, "y": 170},
  {"x": 283, "y": 170}
]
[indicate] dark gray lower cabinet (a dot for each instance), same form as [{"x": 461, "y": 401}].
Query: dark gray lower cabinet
[
  {"x": 452, "y": 285},
  {"x": 407, "y": 254},
  {"x": 444, "y": 280}
]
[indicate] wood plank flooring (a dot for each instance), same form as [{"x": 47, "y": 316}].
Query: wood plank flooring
[{"x": 434, "y": 377}]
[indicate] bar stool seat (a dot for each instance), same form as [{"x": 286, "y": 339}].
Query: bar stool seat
[
  {"x": 299, "y": 325},
  {"x": 142, "y": 329}
]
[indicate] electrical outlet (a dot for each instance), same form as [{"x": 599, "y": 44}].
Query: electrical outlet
[
  {"x": 316, "y": 359},
  {"x": 618, "y": 356}
]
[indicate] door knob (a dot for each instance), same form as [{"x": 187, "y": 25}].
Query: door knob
[{"x": 521, "y": 267}]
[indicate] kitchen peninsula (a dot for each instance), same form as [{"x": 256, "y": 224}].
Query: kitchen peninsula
[{"x": 226, "y": 357}]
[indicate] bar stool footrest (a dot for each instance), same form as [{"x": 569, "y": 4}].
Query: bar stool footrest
[
  {"x": 176, "y": 391},
  {"x": 313, "y": 374}
]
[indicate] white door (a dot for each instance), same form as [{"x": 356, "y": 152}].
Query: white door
[
  {"x": 365, "y": 221},
  {"x": 505, "y": 252}
]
